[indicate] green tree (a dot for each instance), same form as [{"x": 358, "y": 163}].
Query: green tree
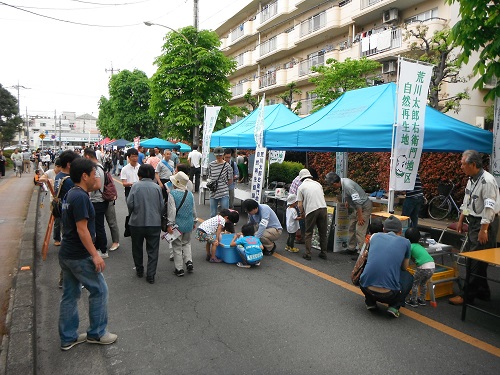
[
  {"x": 10, "y": 120},
  {"x": 126, "y": 113},
  {"x": 337, "y": 77},
  {"x": 477, "y": 31},
  {"x": 287, "y": 97},
  {"x": 252, "y": 100},
  {"x": 191, "y": 73},
  {"x": 437, "y": 50}
]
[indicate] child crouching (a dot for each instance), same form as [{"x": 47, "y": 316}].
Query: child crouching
[{"x": 249, "y": 247}]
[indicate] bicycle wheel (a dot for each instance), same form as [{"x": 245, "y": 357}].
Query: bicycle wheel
[{"x": 439, "y": 207}]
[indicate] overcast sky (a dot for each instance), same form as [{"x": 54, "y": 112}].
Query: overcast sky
[{"x": 63, "y": 65}]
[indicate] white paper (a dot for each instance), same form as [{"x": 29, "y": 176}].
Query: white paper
[{"x": 169, "y": 237}]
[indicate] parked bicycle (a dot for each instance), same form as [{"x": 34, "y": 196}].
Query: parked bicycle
[{"x": 441, "y": 205}]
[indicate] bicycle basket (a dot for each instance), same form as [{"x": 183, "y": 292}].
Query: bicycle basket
[{"x": 444, "y": 189}]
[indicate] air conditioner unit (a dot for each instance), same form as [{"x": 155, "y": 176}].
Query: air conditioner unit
[
  {"x": 390, "y": 15},
  {"x": 389, "y": 67}
]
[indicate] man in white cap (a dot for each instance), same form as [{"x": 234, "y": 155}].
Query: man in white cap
[
  {"x": 312, "y": 205},
  {"x": 358, "y": 200},
  {"x": 385, "y": 278},
  {"x": 182, "y": 214}
]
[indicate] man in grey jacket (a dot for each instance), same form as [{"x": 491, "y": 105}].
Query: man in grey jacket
[
  {"x": 145, "y": 204},
  {"x": 356, "y": 198}
]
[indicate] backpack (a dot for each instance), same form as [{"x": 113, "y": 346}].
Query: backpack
[
  {"x": 56, "y": 204},
  {"x": 109, "y": 192}
]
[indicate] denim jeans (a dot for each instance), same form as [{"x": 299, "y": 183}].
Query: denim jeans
[
  {"x": 411, "y": 208},
  {"x": 394, "y": 298},
  {"x": 75, "y": 273},
  {"x": 214, "y": 202}
]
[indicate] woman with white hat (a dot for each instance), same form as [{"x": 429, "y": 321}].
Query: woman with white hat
[{"x": 182, "y": 215}]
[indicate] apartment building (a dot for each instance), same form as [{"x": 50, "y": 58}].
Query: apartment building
[{"x": 277, "y": 42}]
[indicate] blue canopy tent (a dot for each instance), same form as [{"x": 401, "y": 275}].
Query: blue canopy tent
[
  {"x": 158, "y": 142},
  {"x": 241, "y": 134},
  {"x": 362, "y": 120},
  {"x": 183, "y": 147},
  {"x": 118, "y": 143}
]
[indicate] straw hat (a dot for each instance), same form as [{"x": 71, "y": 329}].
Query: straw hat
[{"x": 180, "y": 180}]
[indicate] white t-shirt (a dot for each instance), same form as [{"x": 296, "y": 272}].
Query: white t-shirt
[
  {"x": 210, "y": 226},
  {"x": 311, "y": 194},
  {"x": 292, "y": 224},
  {"x": 129, "y": 173},
  {"x": 195, "y": 158}
]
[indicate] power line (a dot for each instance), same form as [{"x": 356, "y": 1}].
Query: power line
[
  {"x": 101, "y": 5},
  {"x": 66, "y": 21}
]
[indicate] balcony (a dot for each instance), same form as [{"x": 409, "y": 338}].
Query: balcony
[
  {"x": 368, "y": 3},
  {"x": 238, "y": 34},
  {"x": 312, "y": 24},
  {"x": 306, "y": 65},
  {"x": 245, "y": 62},
  {"x": 269, "y": 11},
  {"x": 381, "y": 42}
]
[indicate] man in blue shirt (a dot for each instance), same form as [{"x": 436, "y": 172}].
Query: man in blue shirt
[
  {"x": 81, "y": 263},
  {"x": 141, "y": 155},
  {"x": 269, "y": 227},
  {"x": 385, "y": 278}
]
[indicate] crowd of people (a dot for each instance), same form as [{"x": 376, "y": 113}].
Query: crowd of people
[{"x": 159, "y": 192}]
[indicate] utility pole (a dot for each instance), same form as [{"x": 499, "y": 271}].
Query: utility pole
[
  {"x": 196, "y": 128},
  {"x": 17, "y": 87},
  {"x": 112, "y": 70}
]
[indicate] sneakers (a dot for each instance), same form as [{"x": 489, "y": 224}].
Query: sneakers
[
  {"x": 241, "y": 265},
  {"x": 306, "y": 257},
  {"x": 189, "y": 266},
  {"x": 292, "y": 249},
  {"x": 393, "y": 312},
  {"x": 287, "y": 248},
  {"x": 102, "y": 255},
  {"x": 412, "y": 303},
  {"x": 179, "y": 272},
  {"x": 57, "y": 243},
  {"x": 322, "y": 255},
  {"x": 82, "y": 337},
  {"x": 371, "y": 307},
  {"x": 421, "y": 302},
  {"x": 106, "y": 339}
]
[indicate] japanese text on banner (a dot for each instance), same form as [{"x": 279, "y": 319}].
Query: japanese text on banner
[
  {"x": 211, "y": 114},
  {"x": 258, "y": 173},
  {"x": 276, "y": 156},
  {"x": 413, "y": 86}
]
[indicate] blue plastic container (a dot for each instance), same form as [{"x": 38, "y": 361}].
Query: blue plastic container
[{"x": 227, "y": 253}]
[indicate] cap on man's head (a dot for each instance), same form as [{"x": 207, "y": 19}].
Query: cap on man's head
[
  {"x": 393, "y": 224},
  {"x": 218, "y": 151},
  {"x": 304, "y": 173}
]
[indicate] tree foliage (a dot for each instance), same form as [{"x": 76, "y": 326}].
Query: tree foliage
[
  {"x": 10, "y": 120},
  {"x": 287, "y": 97},
  {"x": 126, "y": 113},
  {"x": 477, "y": 31},
  {"x": 188, "y": 77},
  {"x": 437, "y": 49},
  {"x": 336, "y": 77}
]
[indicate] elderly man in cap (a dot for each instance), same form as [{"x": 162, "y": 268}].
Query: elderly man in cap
[
  {"x": 385, "y": 278},
  {"x": 358, "y": 200},
  {"x": 312, "y": 205}
]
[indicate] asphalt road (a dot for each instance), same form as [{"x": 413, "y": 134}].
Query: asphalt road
[{"x": 288, "y": 316}]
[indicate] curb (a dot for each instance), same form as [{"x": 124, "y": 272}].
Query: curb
[{"x": 19, "y": 344}]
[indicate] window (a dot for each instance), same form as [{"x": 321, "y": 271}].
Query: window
[
  {"x": 268, "y": 11},
  {"x": 313, "y": 24},
  {"x": 424, "y": 16}
]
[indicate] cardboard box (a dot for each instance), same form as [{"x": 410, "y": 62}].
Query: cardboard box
[{"x": 442, "y": 289}]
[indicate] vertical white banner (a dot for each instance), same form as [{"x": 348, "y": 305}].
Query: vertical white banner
[
  {"x": 495, "y": 154},
  {"x": 276, "y": 156},
  {"x": 258, "y": 132},
  {"x": 411, "y": 102},
  {"x": 211, "y": 114},
  {"x": 341, "y": 160},
  {"x": 137, "y": 142},
  {"x": 258, "y": 173}
]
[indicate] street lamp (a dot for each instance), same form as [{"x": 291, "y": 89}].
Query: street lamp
[{"x": 196, "y": 129}]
